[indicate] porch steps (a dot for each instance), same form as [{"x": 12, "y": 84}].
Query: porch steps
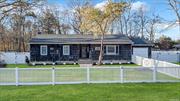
[{"x": 85, "y": 62}]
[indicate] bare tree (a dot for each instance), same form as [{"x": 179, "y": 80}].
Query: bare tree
[
  {"x": 76, "y": 14},
  {"x": 175, "y": 6},
  {"x": 151, "y": 27},
  {"x": 17, "y": 12}
]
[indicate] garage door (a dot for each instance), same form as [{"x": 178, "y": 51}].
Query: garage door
[{"x": 140, "y": 52}]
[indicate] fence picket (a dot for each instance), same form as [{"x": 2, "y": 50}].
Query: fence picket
[
  {"x": 88, "y": 75},
  {"x": 121, "y": 74},
  {"x": 17, "y": 76},
  {"x": 154, "y": 74},
  {"x": 53, "y": 76}
]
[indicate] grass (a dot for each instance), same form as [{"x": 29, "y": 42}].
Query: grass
[
  {"x": 128, "y": 65},
  {"x": 93, "y": 92},
  {"x": 178, "y": 63},
  {"x": 60, "y": 66},
  {"x": 38, "y": 66}
]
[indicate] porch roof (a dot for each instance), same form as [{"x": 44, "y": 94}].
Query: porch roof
[{"x": 79, "y": 39}]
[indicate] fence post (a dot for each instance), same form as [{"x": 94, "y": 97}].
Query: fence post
[
  {"x": 122, "y": 74},
  {"x": 88, "y": 75},
  {"x": 154, "y": 73},
  {"x": 17, "y": 76},
  {"x": 53, "y": 76},
  {"x": 179, "y": 73}
]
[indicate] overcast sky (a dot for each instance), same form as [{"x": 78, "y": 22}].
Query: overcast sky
[{"x": 159, "y": 7}]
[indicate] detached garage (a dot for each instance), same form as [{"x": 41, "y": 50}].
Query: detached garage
[{"x": 141, "y": 47}]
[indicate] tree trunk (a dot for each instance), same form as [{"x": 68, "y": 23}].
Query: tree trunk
[{"x": 101, "y": 51}]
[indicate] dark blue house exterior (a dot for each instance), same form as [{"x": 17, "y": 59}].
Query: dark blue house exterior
[{"x": 74, "y": 48}]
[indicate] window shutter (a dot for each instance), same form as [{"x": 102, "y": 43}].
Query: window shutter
[
  {"x": 69, "y": 49},
  {"x": 117, "y": 49},
  {"x": 104, "y": 49}
]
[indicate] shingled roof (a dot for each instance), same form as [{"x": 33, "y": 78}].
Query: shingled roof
[
  {"x": 79, "y": 39},
  {"x": 140, "y": 41}
]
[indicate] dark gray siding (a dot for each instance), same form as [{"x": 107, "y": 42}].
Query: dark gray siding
[
  {"x": 74, "y": 53},
  {"x": 54, "y": 55},
  {"x": 124, "y": 53}
]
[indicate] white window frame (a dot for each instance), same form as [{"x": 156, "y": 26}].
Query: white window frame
[
  {"x": 41, "y": 50},
  {"x": 111, "y": 53},
  {"x": 66, "y": 52}
]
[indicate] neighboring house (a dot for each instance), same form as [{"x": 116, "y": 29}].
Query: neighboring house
[
  {"x": 177, "y": 47},
  {"x": 141, "y": 47},
  {"x": 80, "y": 48}
]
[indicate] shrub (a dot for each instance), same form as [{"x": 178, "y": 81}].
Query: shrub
[{"x": 2, "y": 64}]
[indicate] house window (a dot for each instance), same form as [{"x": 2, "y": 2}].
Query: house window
[
  {"x": 111, "y": 50},
  {"x": 52, "y": 51},
  {"x": 66, "y": 50},
  {"x": 44, "y": 50}
]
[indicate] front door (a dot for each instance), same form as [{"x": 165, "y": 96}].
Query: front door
[{"x": 84, "y": 52}]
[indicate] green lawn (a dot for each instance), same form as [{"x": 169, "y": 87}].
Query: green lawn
[
  {"x": 38, "y": 66},
  {"x": 60, "y": 66},
  {"x": 178, "y": 63},
  {"x": 116, "y": 65},
  {"x": 93, "y": 92}
]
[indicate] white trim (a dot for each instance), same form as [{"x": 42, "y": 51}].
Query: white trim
[
  {"x": 66, "y": 52},
  {"x": 41, "y": 51},
  {"x": 111, "y": 53}
]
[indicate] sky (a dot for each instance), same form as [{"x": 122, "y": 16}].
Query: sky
[{"x": 159, "y": 7}]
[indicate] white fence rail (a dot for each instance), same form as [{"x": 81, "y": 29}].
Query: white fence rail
[
  {"x": 45, "y": 76},
  {"x": 166, "y": 67}
]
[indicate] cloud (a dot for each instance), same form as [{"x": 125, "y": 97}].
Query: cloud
[
  {"x": 101, "y": 5},
  {"x": 55, "y": 7},
  {"x": 166, "y": 26},
  {"x": 136, "y": 6},
  {"x": 168, "y": 29}
]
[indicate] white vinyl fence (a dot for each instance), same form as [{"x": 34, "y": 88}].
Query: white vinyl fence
[
  {"x": 166, "y": 67},
  {"x": 14, "y": 57},
  {"x": 169, "y": 56},
  {"x": 77, "y": 75}
]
